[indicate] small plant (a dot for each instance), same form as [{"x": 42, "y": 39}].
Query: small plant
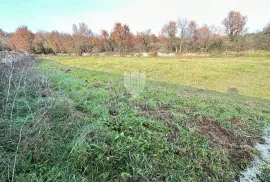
[
  {"x": 265, "y": 173},
  {"x": 233, "y": 90}
]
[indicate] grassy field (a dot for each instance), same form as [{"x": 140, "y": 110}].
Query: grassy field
[
  {"x": 95, "y": 130},
  {"x": 248, "y": 74}
]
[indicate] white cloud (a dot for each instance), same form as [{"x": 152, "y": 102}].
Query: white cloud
[{"x": 153, "y": 14}]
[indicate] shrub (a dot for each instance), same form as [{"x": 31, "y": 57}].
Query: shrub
[{"x": 153, "y": 54}]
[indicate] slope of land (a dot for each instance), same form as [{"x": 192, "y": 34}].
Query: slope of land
[{"x": 87, "y": 124}]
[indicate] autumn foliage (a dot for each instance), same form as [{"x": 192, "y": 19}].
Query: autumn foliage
[
  {"x": 121, "y": 36},
  {"x": 22, "y": 40},
  {"x": 178, "y": 36},
  {"x": 234, "y": 24}
]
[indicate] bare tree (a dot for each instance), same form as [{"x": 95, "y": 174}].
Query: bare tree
[
  {"x": 261, "y": 40},
  {"x": 183, "y": 30},
  {"x": 3, "y": 40},
  {"x": 234, "y": 24},
  {"x": 142, "y": 40},
  {"x": 192, "y": 34},
  {"x": 266, "y": 29},
  {"x": 2, "y": 33},
  {"x": 82, "y": 30},
  {"x": 170, "y": 30},
  {"x": 208, "y": 38},
  {"x": 82, "y": 38}
]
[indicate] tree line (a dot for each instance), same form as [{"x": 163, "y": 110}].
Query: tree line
[{"x": 178, "y": 36}]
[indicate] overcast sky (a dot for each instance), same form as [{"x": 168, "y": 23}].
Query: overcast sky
[{"x": 138, "y": 14}]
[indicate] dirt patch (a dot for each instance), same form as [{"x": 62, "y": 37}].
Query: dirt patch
[
  {"x": 167, "y": 116},
  {"x": 127, "y": 95},
  {"x": 147, "y": 110},
  {"x": 66, "y": 70},
  {"x": 233, "y": 90},
  {"x": 79, "y": 115},
  {"x": 187, "y": 110},
  {"x": 164, "y": 111},
  {"x": 161, "y": 112},
  {"x": 96, "y": 85},
  {"x": 239, "y": 148},
  {"x": 112, "y": 112},
  {"x": 238, "y": 123}
]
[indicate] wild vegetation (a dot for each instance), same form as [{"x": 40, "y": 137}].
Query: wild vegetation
[
  {"x": 74, "y": 118},
  {"x": 188, "y": 104},
  {"x": 178, "y": 36}
]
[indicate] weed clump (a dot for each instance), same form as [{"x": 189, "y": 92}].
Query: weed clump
[
  {"x": 265, "y": 173},
  {"x": 233, "y": 90}
]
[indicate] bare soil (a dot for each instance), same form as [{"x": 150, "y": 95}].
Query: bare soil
[{"x": 240, "y": 149}]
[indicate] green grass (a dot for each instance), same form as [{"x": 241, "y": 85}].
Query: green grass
[
  {"x": 170, "y": 132},
  {"x": 248, "y": 74},
  {"x": 157, "y": 135}
]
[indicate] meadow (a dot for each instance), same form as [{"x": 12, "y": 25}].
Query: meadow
[
  {"x": 248, "y": 74},
  {"x": 191, "y": 119}
]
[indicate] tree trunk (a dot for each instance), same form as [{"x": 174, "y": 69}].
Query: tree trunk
[{"x": 180, "y": 49}]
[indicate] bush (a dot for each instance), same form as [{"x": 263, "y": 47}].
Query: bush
[
  {"x": 13, "y": 67},
  {"x": 153, "y": 54}
]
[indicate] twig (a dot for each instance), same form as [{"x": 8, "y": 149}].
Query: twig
[
  {"x": 9, "y": 85},
  {"x": 15, "y": 158}
]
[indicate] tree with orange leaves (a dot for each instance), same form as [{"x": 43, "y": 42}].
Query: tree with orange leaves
[
  {"x": 55, "y": 42},
  {"x": 22, "y": 40},
  {"x": 67, "y": 43},
  {"x": 96, "y": 44},
  {"x": 164, "y": 42},
  {"x": 104, "y": 38},
  {"x": 121, "y": 36},
  {"x": 42, "y": 42}
]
